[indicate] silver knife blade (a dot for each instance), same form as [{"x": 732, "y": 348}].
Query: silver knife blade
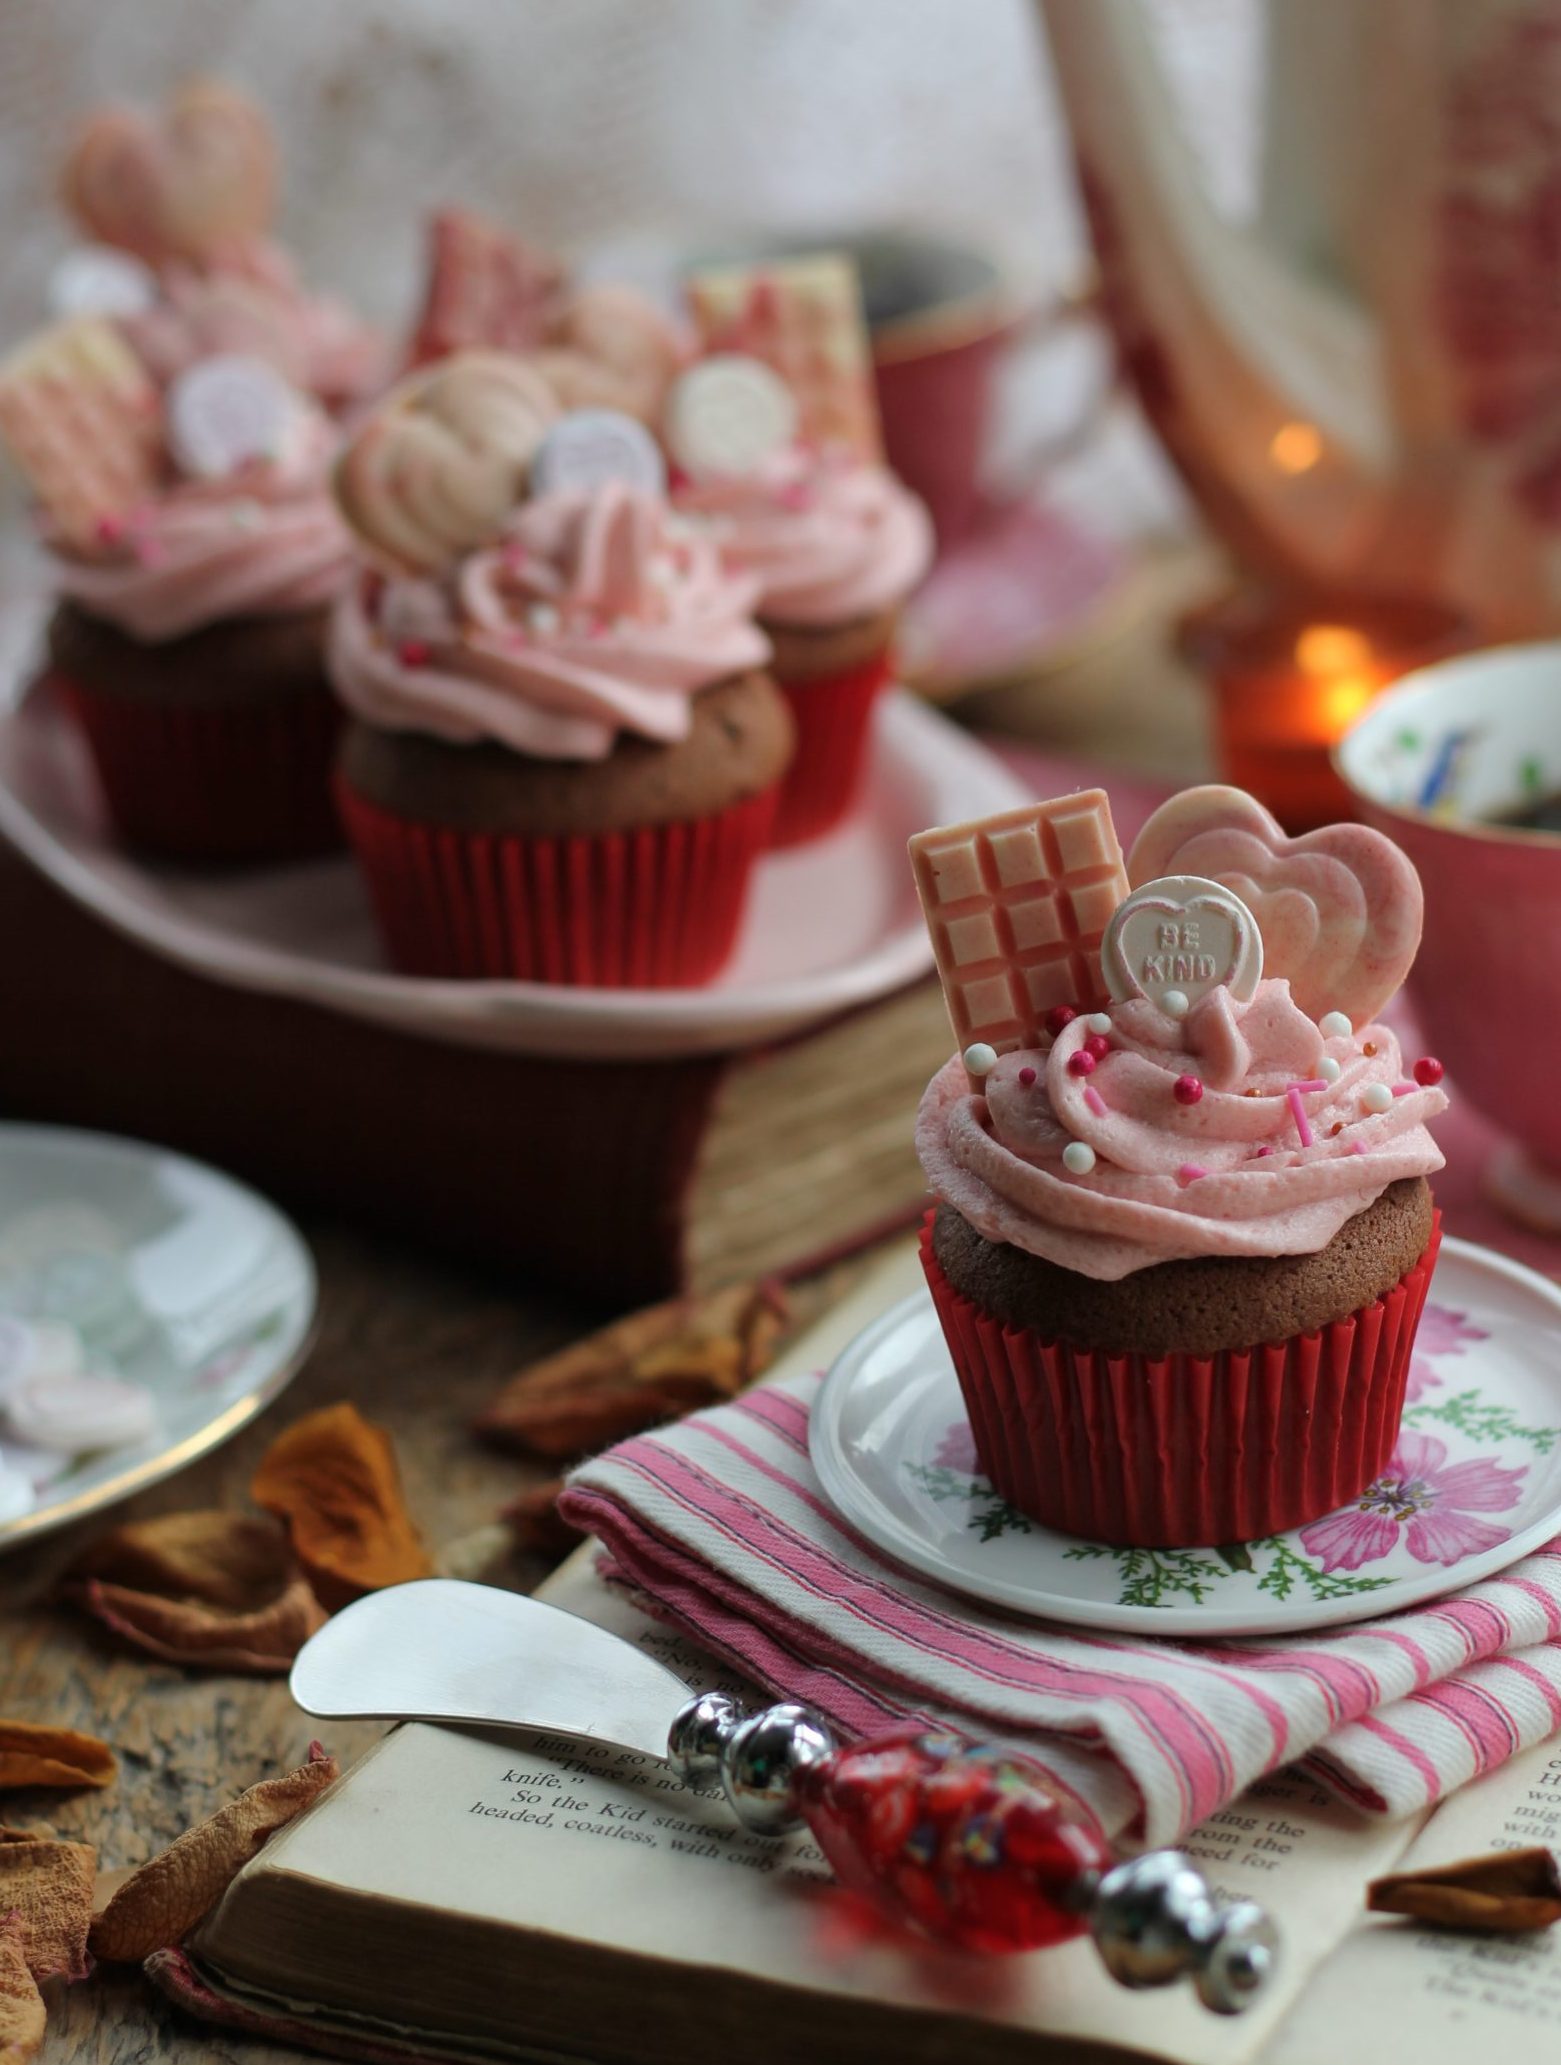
[{"x": 443, "y": 1650}]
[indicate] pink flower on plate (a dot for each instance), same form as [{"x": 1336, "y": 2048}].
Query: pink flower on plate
[
  {"x": 1442, "y": 1332},
  {"x": 957, "y": 1450},
  {"x": 1436, "y": 1508}
]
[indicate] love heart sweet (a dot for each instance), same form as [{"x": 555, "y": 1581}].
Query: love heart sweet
[
  {"x": 728, "y": 414},
  {"x": 226, "y": 412},
  {"x": 1340, "y": 910},
  {"x": 200, "y": 179},
  {"x": 590, "y": 447},
  {"x": 1178, "y": 937},
  {"x": 439, "y": 466}
]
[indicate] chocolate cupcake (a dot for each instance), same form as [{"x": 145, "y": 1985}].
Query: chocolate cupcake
[
  {"x": 1183, "y": 1232},
  {"x": 836, "y": 545},
  {"x": 565, "y": 751}
]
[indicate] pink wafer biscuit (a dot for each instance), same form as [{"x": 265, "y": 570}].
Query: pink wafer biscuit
[
  {"x": 1017, "y": 906},
  {"x": 1339, "y": 909},
  {"x": 485, "y": 289},
  {"x": 803, "y": 318},
  {"x": 84, "y": 422}
]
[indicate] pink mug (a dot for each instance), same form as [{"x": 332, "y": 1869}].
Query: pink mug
[{"x": 1433, "y": 762}]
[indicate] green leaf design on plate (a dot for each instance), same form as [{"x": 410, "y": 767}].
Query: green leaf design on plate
[
  {"x": 1287, "y": 1568},
  {"x": 990, "y": 1514},
  {"x": 1155, "y": 1577},
  {"x": 1467, "y": 1413}
]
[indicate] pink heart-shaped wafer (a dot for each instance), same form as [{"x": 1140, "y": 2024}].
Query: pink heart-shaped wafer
[
  {"x": 1340, "y": 909},
  {"x": 200, "y": 179}
]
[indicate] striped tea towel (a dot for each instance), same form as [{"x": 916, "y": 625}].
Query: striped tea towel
[{"x": 721, "y": 1528}]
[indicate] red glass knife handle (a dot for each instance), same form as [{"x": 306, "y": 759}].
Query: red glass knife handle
[{"x": 970, "y": 1845}]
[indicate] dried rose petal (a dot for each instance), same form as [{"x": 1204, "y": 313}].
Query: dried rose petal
[
  {"x": 652, "y": 1366},
  {"x": 237, "y": 1560},
  {"x": 183, "y": 1631},
  {"x": 159, "y": 1904},
  {"x": 34, "y": 1753},
  {"x": 536, "y": 1522},
  {"x": 48, "y": 1883},
  {"x": 1508, "y": 1889},
  {"x": 211, "y": 1590},
  {"x": 21, "y": 2006},
  {"x": 332, "y": 1478}
]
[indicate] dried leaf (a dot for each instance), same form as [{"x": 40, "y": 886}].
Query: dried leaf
[
  {"x": 49, "y": 1883},
  {"x": 211, "y": 1590},
  {"x": 33, "y": 1753},
  {"x": 1508, "y": 1889},
  {"x": 332, "y": 1478},
  {"x": 537, "y": 1523},
  {"x": 183, "y": 1631},
  {"x": 159, "y": 1904},
  {"x": 652, "y": 1366},
  {"x": 21, "y": 2005},
  {"x": 238, "y": 1560}
]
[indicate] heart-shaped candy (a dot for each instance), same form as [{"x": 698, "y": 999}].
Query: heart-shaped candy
[
  {"x": 200, "y": 180},
  {"x": 1178, "y": 937},
  {"x": 1340, "y": 909},
  {"x": 441, "y": 463}
]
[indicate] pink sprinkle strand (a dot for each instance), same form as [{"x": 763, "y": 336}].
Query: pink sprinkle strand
[
  {"x": 1095, "y": 1101},
  {"x": 1189, "y": 1172},
  {"x": 1405, "y": 1089},
  {"x": 1306, "y": 1089},
  {"x": 1298, "y": 1113}
]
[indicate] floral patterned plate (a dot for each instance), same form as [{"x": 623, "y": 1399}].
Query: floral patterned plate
[
  {"x": 1474, "y": 1482},
  {"x": 177, "y": 1278}
]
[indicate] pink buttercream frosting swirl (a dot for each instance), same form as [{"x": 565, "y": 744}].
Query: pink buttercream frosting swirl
[
  {"x": 596, "y": 613},
  {"x": 1228, "y": 1174},
  {"x": 263, "y": 542},
  {"x": 827, "y": 538}
]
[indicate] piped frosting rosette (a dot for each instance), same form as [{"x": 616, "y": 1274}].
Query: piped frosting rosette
[
  {"x": 828, "y": 537},
  {"x": 594, "y": 614},
  {"x": 1270, "y": 1158},
  {"x": 263, "y": 541}
]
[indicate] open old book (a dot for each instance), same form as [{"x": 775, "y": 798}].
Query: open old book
[{"x": 512, "y": 1896}]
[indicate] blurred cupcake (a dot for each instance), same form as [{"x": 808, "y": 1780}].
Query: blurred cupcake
[
  {"x": 833, "y": 541},
  {"x": 195, "y": 548},
  {"x": 564, "y": 751},
  {"x": 179, "y": 210},
  {"x": 1182, "y": 1242}
]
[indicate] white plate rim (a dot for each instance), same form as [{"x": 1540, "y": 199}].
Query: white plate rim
[
  {"x": 539, "y": 1018},
  {"x": 844, "y": 1490},
  {"x": 138, "y": 1477}
]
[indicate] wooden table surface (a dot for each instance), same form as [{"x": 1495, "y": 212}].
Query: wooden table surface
[{"x": 417, "y": 1347}]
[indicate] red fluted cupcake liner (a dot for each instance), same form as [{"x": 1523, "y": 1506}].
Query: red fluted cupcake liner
[
  {"x": 1184, "y": 1451},
  {"x": 242, "y": 782},
  {"x": 655, "y": 908},
  {"x": 834, "y": 718}
]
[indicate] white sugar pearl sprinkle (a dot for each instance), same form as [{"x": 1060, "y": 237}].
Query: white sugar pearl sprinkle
[
  {"x": 1174, "y": 1003},
  {"x": 1377, "y": 1097},
  {"x": 980, "y": 1059},
  {"x": 1333, "y": 1025},
  {"x": 1078, "y": 1157},
  {"x": 1328, "y": 1069},
  {"x": 1098, "y": 1022}
]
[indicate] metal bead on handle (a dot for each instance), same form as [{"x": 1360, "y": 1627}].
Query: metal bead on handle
[
  {"x": 1154, "y": 1921},
  {"x": 758, "y": 1758}
]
